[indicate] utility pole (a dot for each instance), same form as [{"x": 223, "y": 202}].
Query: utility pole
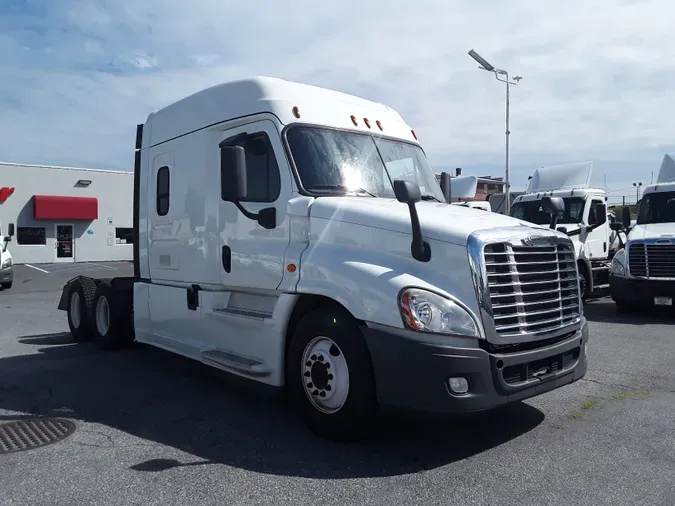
[{"x": 484, "y": 65}]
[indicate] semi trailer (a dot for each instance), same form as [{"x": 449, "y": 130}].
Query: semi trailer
[{"x": 297, "y": 236}]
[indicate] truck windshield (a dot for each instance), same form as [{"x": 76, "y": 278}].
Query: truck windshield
[
  {"x": 335, "y": 161},
  {"x": 532, "y": 211},
  {"x": 657, "y": 208}
]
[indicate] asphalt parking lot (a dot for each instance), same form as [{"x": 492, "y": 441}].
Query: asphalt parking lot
[{"x": 153, "y": 428}]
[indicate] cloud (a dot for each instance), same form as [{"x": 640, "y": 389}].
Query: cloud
[{"x": 78, "y": 75}]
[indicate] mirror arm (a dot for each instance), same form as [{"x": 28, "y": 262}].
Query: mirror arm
[{"x": 419, "y": 248}]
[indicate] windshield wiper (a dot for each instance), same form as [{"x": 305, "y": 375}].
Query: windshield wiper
[
  {"x": 430, "y": 197},
  {"x": 341, "y": 187}
]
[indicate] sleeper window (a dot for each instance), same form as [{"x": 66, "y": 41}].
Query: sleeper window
[{"x": 163, "y": 191}]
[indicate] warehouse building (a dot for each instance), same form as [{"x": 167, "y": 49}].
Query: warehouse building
[{"x": 64, "y": 214}]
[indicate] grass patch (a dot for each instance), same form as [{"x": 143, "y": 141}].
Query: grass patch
[
  {"x": 630, "y": 394},
  {"x": 584, "y": 407}
]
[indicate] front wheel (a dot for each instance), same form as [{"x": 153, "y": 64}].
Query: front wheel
[{"x": 329, "y": 376}]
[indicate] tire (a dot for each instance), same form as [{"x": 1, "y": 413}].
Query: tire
[
  {"x": 584, "y": 281},
  {"x": 111, "y": 327},
  {"x": 7, "y": 286},
  {"x": 80, "y": 304},
  {"x": 316, "y": 390}
]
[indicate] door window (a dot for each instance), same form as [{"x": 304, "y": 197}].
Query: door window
[{"x": 64, "y": 241}]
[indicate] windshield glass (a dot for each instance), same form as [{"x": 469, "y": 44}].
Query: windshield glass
[
  {"x": 533, "y": 212},
  {"x": 335, "y": 161},
  {"x": 657, "y": 208}
]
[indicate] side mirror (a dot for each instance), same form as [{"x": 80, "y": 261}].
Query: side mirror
[
  {"x": 553, "y": 206},
  {"x": 600, "y": 215},
  {"x": 233, "y": 173},
  {"x": 409, "y": 193},
  {"x": 446, "y": 186},
  {"x": 233, "y": 178},
  {"x": 626, "y": 217},
  {"x": 10, "y": 229},
  {"x": 616, "y": 226}
]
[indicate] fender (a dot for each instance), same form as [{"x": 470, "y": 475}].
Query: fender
[{"x": 367, "y": 282}]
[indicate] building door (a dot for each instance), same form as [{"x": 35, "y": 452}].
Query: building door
[{"x": 65, "y": 243}]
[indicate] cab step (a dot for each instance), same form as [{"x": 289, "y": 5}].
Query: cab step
[{"x": 229, "y": 360}]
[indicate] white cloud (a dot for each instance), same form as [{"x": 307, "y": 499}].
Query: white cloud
[{"x": 597, "y": 74}]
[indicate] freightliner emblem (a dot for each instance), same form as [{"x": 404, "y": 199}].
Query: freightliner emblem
[{"x": 535, "y": 240}]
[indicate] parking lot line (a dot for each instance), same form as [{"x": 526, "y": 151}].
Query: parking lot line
[{"x": 36, "y": 268}]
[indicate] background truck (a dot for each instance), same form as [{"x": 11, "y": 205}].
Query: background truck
[
  {"x": 584, "y": 219},
  {"x": 643, "y": 273},
  {"x": 319, "y": 267}
]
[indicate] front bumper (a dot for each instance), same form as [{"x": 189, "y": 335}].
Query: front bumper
[
  {"x": 639, "y": 291},
  {"x": 413, "y": 375},
  {"x": 7, "y": 275}
]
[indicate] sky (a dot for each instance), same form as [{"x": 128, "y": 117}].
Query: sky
[{"x": 76, "y": 76}]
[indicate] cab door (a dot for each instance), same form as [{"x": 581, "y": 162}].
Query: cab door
[
  {"x": 597, "y": 238},
  {"x": 253, "y": 256}
]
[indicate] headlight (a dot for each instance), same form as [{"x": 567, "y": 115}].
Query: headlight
[
  {"x": 7, "y": 263},
  {"x": 618, "y": 266},
  {"x": 428, "y": 312}
]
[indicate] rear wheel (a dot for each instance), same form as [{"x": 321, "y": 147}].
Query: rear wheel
[
  {"x": 80, "y": 303},
  {"x": 111, "y": 326},
  {"x": 7, "y": 286},
  {"x": 329, "y": 375}
]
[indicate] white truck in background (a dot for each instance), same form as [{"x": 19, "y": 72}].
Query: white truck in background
[
  {"x": 584, "y": 219},
  {"x": 6, "y": 262},
  {"x": 643, "y": 273},
  {"x": 320, "y": 269}
]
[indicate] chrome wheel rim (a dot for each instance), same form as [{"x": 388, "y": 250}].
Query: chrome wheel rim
[
  {"x": 102, "y": 316},
  {"x": 75, "y": 310},
  {"x": 325, "y": 375}
]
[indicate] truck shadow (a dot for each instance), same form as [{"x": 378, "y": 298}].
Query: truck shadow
[
  {"x": 604, "y": 310},
  {"x": 169, "y": 400}
]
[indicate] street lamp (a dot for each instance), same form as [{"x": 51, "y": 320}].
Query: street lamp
[
  {"x": 484, "y": 65},
  {"x": 637, "y": 191}
]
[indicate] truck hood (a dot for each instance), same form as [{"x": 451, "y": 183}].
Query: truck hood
[
  {"x": 439, "y": 221},
  {"x": 652, "y": 231}
]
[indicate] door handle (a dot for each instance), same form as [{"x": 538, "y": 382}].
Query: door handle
[{"x": 226, "y": 257}]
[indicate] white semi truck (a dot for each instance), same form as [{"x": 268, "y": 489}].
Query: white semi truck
[
  {"x": 584, "y": 219},
  {"x": 322, "y": 271},
  {"x": 643, "y": 273}
]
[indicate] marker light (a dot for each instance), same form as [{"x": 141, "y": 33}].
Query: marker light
[
  {"x": 296, "y": 111},
  {"x": 414, "y": 134},
  {"x": 355, "y": 121},
  {"x": 379, "y": 125},
  {"x": 365, "y": 120}
]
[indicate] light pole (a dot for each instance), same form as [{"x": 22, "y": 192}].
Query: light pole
[
  {"x": 637, "y": 191},
  {"x": 484, "y": 65}
]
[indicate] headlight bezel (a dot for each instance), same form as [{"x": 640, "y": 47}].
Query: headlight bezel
[
  {"x": 438, "y": 304},
  {"x": 618, "y": 265},
  {"x": 6, "y": 264}
]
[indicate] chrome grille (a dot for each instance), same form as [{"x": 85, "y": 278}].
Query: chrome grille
[
  {"x": 532, "y": 289},
  {"x": 652, "y": 260}
]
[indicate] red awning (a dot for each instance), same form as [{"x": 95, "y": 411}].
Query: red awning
[{"x": 52, "y": 207}]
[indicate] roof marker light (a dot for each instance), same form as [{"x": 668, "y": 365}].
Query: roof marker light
[
  {"x": 379, "y": 125},
  {"x": 355, "y": 121},
  {"x": 296, "y": 111},
  {"x": 414, "y": 134},
  {"x": 365, "y": 120}
]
